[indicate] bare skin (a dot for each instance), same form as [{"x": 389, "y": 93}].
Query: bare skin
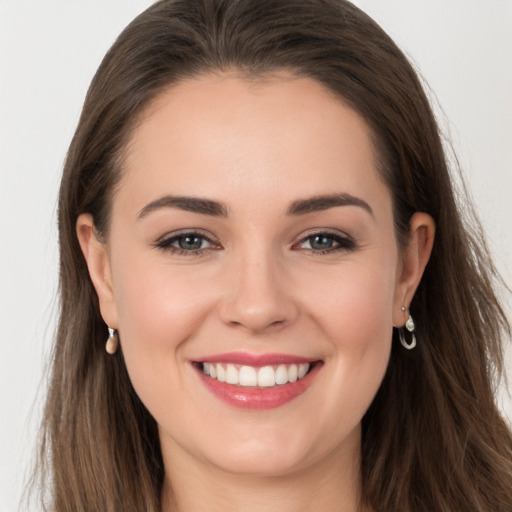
[{"x": 257, "y": 266}]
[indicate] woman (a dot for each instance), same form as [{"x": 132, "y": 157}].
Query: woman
[{"x": 249, "y": 207}]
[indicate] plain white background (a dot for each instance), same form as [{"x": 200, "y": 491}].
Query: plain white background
[{"x": 49, "y": 51}]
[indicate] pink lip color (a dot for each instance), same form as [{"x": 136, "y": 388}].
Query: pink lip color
[
  {"x": 242, "y": 358},
  {"x": 258, "y": 398}
]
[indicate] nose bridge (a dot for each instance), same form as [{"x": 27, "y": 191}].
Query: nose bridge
[{"x": 258, "y": 297}]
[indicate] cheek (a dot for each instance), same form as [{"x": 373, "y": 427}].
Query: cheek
[
  {"x": 159, "y": 309},
  {"x": 155, "y": 295},
  {"x": 357, "y": 306},
  {"x": 356, "y": 318}
]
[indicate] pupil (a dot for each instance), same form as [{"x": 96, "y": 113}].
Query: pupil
[
  {"x": 190, "y": 242},
  {"x": 321, "y": 242}
]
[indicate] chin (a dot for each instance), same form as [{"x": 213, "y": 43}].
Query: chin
[
  {"x": 278, "y": 454},
  {"x": 258, "y": 460}
]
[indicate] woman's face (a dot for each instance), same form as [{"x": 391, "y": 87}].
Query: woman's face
[{"x": 252, "y": 237}]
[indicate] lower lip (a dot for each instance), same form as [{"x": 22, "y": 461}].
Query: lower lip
[{"x": 259, "y": 398}]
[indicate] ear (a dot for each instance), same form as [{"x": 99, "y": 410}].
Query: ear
[
  {"x": 98, "y": 262},
  {"x": 414, "y": 259}
]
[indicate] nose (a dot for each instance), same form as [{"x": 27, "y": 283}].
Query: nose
[{"x": 259, "y": 297}]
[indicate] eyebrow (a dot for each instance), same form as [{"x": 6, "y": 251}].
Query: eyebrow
[
  {"x": 218, "y": 209},
  {"x": 189, "y": 204},
  {"x": 320, "y": 203}
]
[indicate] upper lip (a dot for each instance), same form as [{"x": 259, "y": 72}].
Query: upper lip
[{"x": 246, "y": 359}]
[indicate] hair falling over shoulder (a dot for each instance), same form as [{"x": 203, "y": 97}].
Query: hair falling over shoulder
[{"x": 433, "y": 438}]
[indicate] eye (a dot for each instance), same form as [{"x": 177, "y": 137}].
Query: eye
[
  {"x": 188, "y": 243},
  {"x": 324, "y": 242}
]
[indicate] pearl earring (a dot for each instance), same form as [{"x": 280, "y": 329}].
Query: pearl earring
[
  {"x": 112, "y": 341},
  {"x": 409, "y": 325}
]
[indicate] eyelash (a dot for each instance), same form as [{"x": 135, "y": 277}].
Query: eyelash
[
  {"x": 344, "y": 243},
  {"x": 165, "y": 244}
]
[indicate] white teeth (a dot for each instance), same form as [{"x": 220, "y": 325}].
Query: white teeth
[
  {"x": 249, "y": 376},
  {"x": 292, "y": 373},
  {"x": 303, "y": 369},
  {"x": 232, "y": 374},
  {"x": 281, "y": 374},
  {"x": 266, "y": 377},
  {"x": 221, "y": 373}
]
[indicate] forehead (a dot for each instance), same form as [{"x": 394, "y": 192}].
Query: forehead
[{"x": 228, "y": 137}]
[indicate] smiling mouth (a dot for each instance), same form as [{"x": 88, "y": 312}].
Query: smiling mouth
[
  {"x": 250, "y": 381},
  {"x": 251, "y": 376}
]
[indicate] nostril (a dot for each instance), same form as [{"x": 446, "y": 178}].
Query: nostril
[
  {"x": 258, "y": 311},
  {"x": 257, "y": 325}
]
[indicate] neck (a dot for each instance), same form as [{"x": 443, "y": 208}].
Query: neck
[{"x": 331, "y": 485}]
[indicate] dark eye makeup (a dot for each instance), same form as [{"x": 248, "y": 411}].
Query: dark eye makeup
[
  {"x": 323, "y": 242},
  {"x": 194, "y": 243},
  {"x": 189, "y": 243}
]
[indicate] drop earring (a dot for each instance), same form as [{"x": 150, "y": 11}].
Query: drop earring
[
  {"x": 409, "y": 325},
  {"x": 112, "y": 341}
]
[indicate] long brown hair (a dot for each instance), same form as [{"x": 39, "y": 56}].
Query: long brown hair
[{"x": 433, "y": 439}]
